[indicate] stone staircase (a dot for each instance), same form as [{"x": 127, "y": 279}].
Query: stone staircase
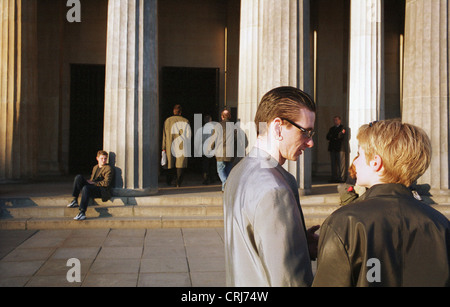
[{"x": 176, "y": 210}]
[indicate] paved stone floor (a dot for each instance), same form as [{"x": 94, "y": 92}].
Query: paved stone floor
[
  {"x": 187, "y": 257},
  {"x": 113, "y": 257}
]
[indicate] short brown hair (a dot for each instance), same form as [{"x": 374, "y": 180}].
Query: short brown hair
[
  {"x": 281, "y": 102},
  {"x": 101, "y": 153},
  {"x": 405, "y": 149},
  {"x": 226, "y": 114},
  {"x": 177, "y": 109}
]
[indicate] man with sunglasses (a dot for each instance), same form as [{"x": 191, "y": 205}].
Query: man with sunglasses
[{"x": 266, "y": 242}]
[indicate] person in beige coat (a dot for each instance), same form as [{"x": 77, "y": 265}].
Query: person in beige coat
[{"x": 176, "y": 143}]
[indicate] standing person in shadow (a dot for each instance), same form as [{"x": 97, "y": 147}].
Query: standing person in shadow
[
  {"x": 99, "y": 185},
  {"x": 337, "y": 136}
]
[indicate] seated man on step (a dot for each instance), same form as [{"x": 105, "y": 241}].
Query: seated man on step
[{"x": 98, "y": 186}]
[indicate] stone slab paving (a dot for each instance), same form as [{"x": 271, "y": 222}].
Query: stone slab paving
[
  {"x": 113, "y": 257},
  {"x": 178, "y": 257}
]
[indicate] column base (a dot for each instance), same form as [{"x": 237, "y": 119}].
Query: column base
[{"x": 304, "y": 192}]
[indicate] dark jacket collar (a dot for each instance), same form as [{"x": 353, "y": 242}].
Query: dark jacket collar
[{"x": 387, "y": 189}]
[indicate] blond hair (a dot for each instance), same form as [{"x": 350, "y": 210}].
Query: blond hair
[{"x": 404, "y": 149}]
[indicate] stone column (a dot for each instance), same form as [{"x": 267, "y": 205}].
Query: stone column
[
  {"x": 131, "y": 95},
  {"x": 366, "y": 88},
  {"x": 18, "y": 89},
  {"x": 426, "y": 81},
  {"x": 274, "y": 51}
]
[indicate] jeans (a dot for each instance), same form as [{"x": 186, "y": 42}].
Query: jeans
[
  {"x": 223, "y": 170},
  {"x": 80, "y": 185}
]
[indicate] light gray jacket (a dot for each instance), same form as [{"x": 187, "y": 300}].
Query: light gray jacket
[{"x": 265, "y": 236}]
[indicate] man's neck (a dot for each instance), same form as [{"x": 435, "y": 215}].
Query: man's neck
[{"x": 269, "y": 147}]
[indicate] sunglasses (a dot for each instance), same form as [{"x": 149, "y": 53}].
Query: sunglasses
[{"x": 308, "y": 133}]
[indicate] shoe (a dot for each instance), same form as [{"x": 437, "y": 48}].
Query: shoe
[
  {"x": 81, "y": 216},
  {"x": 73, "y": 204}
]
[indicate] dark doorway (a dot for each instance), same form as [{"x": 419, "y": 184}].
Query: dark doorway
[
  {"x": 87, "y": 93},
  {"x": 196, "y": 90}
]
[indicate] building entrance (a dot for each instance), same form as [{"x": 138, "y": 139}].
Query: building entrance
[
  {"x": 87, "y": 92},
  {"x": 197, "y": 91}
]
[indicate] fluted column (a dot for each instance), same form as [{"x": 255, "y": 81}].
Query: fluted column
[
  {"x": 274, "y": 51},
  {"x": 131, "y": 101},
  {"x": 366, "y": 90},
  {"x": 18, "y": 89},
  {"x": 426, "y": 81}
]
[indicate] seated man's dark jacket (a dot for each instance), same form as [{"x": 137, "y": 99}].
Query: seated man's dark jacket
[
  {"x": 409, "y": 238},
  {"x": 103, "y": 178}
]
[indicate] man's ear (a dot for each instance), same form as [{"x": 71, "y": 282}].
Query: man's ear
[
  {"x": 276, "y": 128},
  {"x": 376, "y": 163}
]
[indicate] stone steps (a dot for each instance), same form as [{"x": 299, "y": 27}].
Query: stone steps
[
  {"x": 113, "y": 223},
  {"x": 162, "y": 211},
  {"x": 114, "y": 211}
]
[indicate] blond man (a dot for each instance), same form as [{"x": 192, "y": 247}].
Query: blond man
[{"x": 387, "y": 237}]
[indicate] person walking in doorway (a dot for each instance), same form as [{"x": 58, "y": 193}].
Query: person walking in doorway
[{"x": 176, "y": 143}]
